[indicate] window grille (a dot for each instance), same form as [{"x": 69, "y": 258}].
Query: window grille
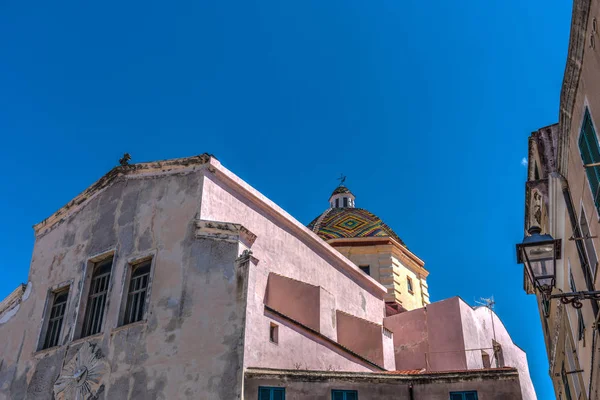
[
  {"x": 57, "y": 313},
  {"x": 94, "y": 314},
  {"x": 344, "y": 395},
  {"x": 138, "y": 288},
  {"x": 590, "y": 154},
  {"x": 271, "y": 393}
]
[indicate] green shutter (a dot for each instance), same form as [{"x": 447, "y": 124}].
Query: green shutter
[
  {"x": 471, "y": 396},
  {"x": 337, "y": 395},
  {"x": 278, "y": 394},
  {"x": 264, "y": 394},
  {"x": 590, "y": 154},
  {"x": 456, "y": 396},
  {"x": 352, "y": 396}
]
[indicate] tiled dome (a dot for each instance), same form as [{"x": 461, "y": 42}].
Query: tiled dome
[{"x": 350, "y": 222}]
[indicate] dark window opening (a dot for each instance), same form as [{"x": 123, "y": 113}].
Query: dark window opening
[
  {"x": 337, "y": 203},
  {"x": 536, "y": 175},
  {"x": 94, "y": 314},
  {"x": 138, "y": 289},
  {"x": 56, "y": 316},
  {"x": 366, "y": 269},
  {"x": 409, "y": 284},
  {"x": 485, "y": 359},
  {"x": 274, "y": 333},
  {"x": 271, "y": 393},
  {"x": 345, "y": 202}
]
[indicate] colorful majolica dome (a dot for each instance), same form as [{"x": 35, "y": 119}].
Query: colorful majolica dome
[{"x": 344, "y": 220}]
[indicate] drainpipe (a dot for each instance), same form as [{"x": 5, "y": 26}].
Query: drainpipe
[
  {"x": 411, "y": 394},
  {"x": 584, "y": 265}
]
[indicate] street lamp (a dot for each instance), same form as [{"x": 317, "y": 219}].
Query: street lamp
[{"x": 539, "y": 254}]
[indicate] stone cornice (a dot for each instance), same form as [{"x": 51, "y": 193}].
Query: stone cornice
[
  {"x": 581, "y": 9},
  {"x": 226, "y": 231},
  {"x": 411, "y": 376},
  {"x": 12, "y": 298},
  {"x": 114, "y": 175},
  {"x": 408, "y": 258}
]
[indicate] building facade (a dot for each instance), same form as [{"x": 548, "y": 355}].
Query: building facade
[
  {"x": 177, "y": 280},
  {"x": 563, "y": 199}
]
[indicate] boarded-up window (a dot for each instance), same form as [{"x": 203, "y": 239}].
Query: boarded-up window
[
  {"x": 94, "y": 314},
  {"x": 56, "y": 316}
]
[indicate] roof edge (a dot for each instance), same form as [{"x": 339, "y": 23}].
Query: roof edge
[
  {"x": 110, "y": 177},
  {"x": 298, "y": 228}
]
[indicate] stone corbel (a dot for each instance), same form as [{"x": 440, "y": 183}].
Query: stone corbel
[{"x": 226, "y": 231}]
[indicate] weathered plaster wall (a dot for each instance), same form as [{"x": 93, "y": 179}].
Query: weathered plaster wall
[
  {"x": 503, "y": 386},
  {"x": 191, "y": 345}
]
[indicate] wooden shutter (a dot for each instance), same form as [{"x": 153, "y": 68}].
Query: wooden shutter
[
  {"x": 471, "y": 396},
  {"x": 337, "y": 395},
  {"x": 278, "y": 394},
  {"x": 351, "y": 396},
  {"x": 456, "y": 396},
  {"x": 590, "y": 153},
  {"x": 264, "y": 393}
]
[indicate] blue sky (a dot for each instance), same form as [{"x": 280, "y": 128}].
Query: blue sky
[{"x": 425, "y": 106}]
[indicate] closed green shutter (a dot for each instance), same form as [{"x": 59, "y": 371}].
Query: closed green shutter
[
  {"x": 271, "y": 393},
  {"x": 264, "y": 394},
  {"x": 351, "y": 396},
  {"x": 471, "y": 395},
  {"x": 590, "y": 154},
  {"x": 344, "y": 395},
  {"x": 337, "y": 395}
]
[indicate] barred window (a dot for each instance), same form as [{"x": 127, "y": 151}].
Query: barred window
[
  {"x": 94, "y": 313},
  {"x": 138, "y": 288},
  {"x": 57, "y": 313}
]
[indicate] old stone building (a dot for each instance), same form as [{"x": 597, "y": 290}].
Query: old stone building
[
  {"x": 563, "y": 200},
  {"x": 177, "y": 280}
]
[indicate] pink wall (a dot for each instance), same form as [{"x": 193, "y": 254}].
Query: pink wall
[
  {"x": 446, "y": 343},
  {"x": 297, "y": 300},
  {"x": 410, "y": 338},
  {"x": 361, "y": 336}
]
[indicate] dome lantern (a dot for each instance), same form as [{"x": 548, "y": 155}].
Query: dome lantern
[{"x": 341, "y": 197}]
